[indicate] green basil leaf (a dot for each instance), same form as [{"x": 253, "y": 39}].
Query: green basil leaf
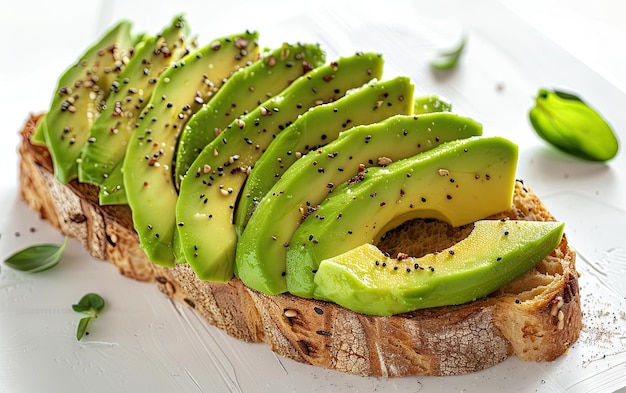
[
  {"x": 565, "y": 121},
  {"x": 36, "y": 258},
  {"x": 430, "y": 104},
  {"x": 91, "y": 304},
  {"x": 82, "y": 327},
  {"x": 448, "y": 59}
]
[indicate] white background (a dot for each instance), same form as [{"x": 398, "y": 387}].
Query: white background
[{"x": 144, "y": 342}]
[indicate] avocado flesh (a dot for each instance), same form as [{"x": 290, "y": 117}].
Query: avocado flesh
[
  {"x": 262, "y": 248},
  {"x": 76, "y": 73},
  {"x": 81, "y": 92},
  {"x": 38, "y": 138},
  {"x": 102, "y": 157},
  {"x": 112, "y": 191},
  {"x": 458, "y": 182},
  {"x": 206, "y": 203},
  {"x": 318, "y": 126},
  {"x": 147, "y": 167},
  {"x": 495, "y": 253},
  {"x": 431, "y": 104},
  {"x": 242, "y": 92}
]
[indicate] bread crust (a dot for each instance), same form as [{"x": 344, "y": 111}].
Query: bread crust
[{"x": 536, "y": 317}]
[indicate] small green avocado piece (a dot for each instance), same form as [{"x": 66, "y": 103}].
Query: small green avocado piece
[
  {"x": 243, "y": 91},
  {"x": 81, "y": 93},
  {"x": 495, "y": 253},
  {"x": 179, "y": 93},
  {"x": 317, "y": 127},
  {"x": 206, "y": 204},
  {"x": 263, "y": 245},
  {"x": 430, "y": 104},
  {"x": 458, "y": 182},
  {"x": 102, "y": 157}
]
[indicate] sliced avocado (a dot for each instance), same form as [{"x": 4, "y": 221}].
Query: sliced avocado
[
  {"x": 75, "y": 73},
  {"x": 81, "y": 93},
  {"x": 112, "y": 191},
  {"x": 495, "y": 253},
  {"x": 317, "y": 127},
  {"x": 458, "y": 182},
  {"x": 244, "y": 91},
  {"x": 102, "y": 156},
  {"x": 262, "y": 247},
  {"x": 205, "y": 208},
  {"x": 430, "y": 104},
  {"x": 38, "y": 137},
  {"x": 179, "y": 93}
]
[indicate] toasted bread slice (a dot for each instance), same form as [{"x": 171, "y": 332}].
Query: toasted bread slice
[{"x": 537, "y": 317}]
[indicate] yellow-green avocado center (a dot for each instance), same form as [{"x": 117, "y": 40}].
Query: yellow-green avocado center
[
  {"x": 458, "y": 182},
  {"x": 496, "y": 252}
]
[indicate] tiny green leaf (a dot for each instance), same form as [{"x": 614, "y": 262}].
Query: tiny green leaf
[
  {"x": 36, "y": 258},
  {"x": 430, "y": 104},
  {"x": 91, "y": 304},
  {"x": 448, "y": 59},
  {"x": 565, "y": 121},
  {"x": 82, "y": 327}
]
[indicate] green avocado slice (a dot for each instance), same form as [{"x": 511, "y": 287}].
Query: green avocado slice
[
  {"x": 206, "y": 204},
  {"x": 317, "y": 127},
  {"x": 242, "y": 92},
  {"x": 179, "y": 93},
  {"x": 262, "y": 248},
  {"x": 495, "y": 253},
  {"x": 458, "y": 182},
  {"x": 431, "y": 104},
  {"x": 102, "y": 157},
  {"x": 80, "y": 95}
]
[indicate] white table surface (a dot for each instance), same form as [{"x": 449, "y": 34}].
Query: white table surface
[{"x": 145, "y": 342}]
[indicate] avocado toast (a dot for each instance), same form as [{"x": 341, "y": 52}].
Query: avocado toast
[{"x": 318, "y": 332}]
